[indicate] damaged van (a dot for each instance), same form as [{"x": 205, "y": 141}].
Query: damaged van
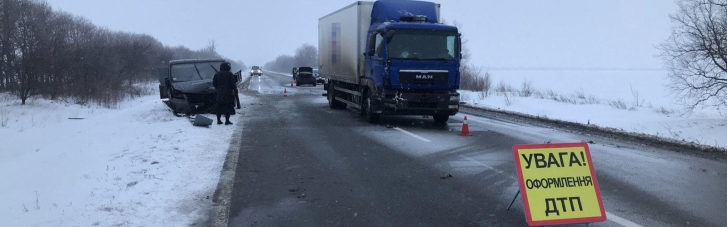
[{"x": 186, "y": 85}]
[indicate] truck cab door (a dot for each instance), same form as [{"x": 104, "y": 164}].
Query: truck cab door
[{"x": 375, "y": 63}]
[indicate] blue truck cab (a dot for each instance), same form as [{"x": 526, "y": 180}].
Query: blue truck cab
[{"x": 408, "y": 63}]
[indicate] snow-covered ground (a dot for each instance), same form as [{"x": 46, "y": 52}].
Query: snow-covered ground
[
  {"x": 137, "y": 165},
  {"x": 606, "y": 99}
]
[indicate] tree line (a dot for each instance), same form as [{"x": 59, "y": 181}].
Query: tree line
[
  {"x": 305, "y": 55},
  {"x": 54, "y": 54}
]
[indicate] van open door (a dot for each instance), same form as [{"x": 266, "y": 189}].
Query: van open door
[{"x": 163, "y": 82}]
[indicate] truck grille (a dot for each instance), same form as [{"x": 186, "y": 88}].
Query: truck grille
[
  {"x": 422, "y": 105},
  {"x": 424, "y": 77}
]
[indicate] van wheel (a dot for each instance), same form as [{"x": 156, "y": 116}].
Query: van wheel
[{"x": 441, "y": 119}]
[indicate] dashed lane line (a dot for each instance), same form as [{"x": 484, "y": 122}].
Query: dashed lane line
[
  {"x": 413, "y": 135},
  {"x": 620, "y": 220},
  {"x": 487, "y": 166}
]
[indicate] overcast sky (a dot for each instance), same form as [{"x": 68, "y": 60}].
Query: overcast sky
[{"x": 548, "y": 33}]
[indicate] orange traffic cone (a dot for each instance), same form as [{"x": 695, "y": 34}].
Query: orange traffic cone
[
  {"x": 465, "y": 128},
  {"x": 285, "y": 93}
]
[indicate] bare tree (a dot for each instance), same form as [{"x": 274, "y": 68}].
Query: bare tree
[
  {"x": 58, "y": 59},
  {"x": 471, "y": 76},
  {"x": 210, "y": 51},
  {"x": 306, "y": 55},
  {"x": 32, "y": 39},
  {"x": 7, "y": 50},
  {"x": 696, "y": 52},
  {"x": 466, "y": 53}
]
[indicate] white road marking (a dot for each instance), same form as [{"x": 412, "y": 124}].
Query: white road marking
[
  {"x": 413, "y": 135},
  {"x": 477, "y": 120},
  {"x": 487, "y": 166},
  {"x": 609, "y": 216},
  {"x": 620, "y": 220}
]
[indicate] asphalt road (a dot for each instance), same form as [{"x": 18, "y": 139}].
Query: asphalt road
[{"x": 303, "y": 164}]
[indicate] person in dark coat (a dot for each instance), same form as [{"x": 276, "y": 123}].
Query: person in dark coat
[{"x": 225, "y": 82}]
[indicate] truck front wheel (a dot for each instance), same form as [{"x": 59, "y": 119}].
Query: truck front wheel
[{"x": 367, "y": 109}]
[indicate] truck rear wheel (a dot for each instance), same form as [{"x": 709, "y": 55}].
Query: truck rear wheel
[
  {"x": 441, "y": 119},
  {"x": 332, "y": 102},
  {"x": 367, "y": 109}
]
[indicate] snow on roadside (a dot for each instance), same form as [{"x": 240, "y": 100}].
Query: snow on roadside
[
  {"x": 705, "y": 127},
  {"x": 138, "y": 165}
]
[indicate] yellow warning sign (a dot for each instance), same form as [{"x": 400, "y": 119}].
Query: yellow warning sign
[{"x": 558, "y": 184}]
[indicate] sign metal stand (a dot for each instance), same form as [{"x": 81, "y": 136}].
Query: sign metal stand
[{"x": 513, "y": 199}]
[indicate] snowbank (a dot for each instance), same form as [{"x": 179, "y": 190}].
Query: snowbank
[
  {"x": 704, "y": 126},
  {"x": 138, "y": 165}
]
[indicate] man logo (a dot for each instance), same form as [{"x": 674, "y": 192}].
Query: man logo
[{"x": 424, "y": 77}]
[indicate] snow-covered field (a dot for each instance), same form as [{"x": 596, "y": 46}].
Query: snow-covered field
[
  {"x": 137, "y": 165},
  {"x": 606, "y": 99}
]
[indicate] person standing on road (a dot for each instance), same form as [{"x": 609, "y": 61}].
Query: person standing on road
[{"x": 225, "y": 82}]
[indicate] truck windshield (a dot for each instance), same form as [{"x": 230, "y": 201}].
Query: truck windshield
[
  {"x": 423, "y": 45},
  {"x": 194, "y": 71}
]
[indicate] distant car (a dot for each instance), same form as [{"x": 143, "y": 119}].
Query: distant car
[
  {"x": 256, "y": 70},
  {"x": 304, "y": 75},
  {"x": 319, "y": 79}
]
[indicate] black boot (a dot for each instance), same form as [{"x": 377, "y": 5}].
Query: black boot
[
  {"x": 227, "y": 119},
  {"x": 219, "y": 122}
]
